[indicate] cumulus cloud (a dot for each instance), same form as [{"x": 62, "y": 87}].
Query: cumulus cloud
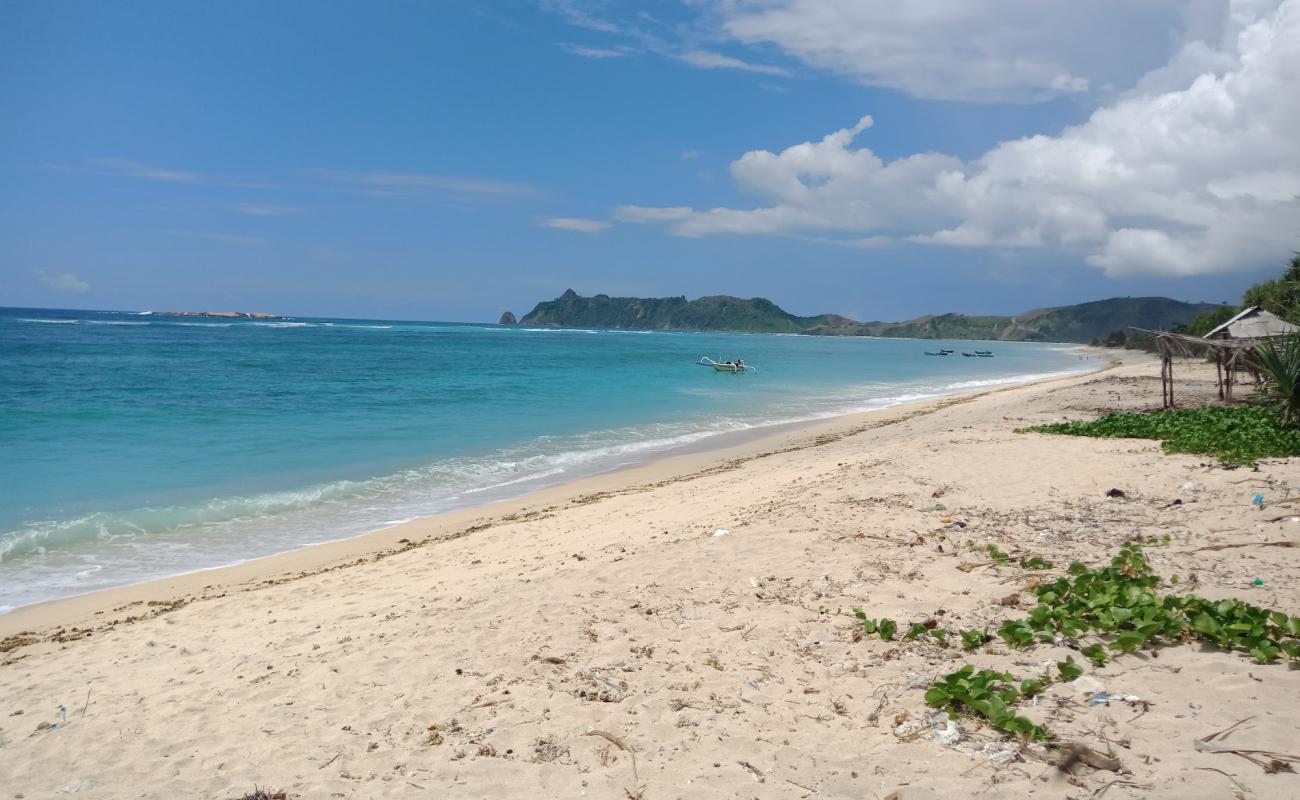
[
  {"x": 980, "y": 50},
  {"x": 574, "y": 224},
  {"x": 64, "y": 282},
  {"x": 1197, "y": 180}
]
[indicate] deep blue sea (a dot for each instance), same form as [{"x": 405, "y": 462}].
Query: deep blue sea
[{"x": 134, "y": 445}]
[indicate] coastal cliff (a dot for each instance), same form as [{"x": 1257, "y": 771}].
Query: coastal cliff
[{"x": 1075, "y": 323}]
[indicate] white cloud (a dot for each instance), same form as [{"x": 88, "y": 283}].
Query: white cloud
[
  {"x": 63, "y": 282},
  {"x": 134, "y": 169},
  {"x": 573, "y": 12},
  {"x": 705, "y": 59},
  {"x": 593, "y": 52},
  {"x": 574, "y": 224},
  {"x": 267, "y": 209},
  {"x": 394, "y": 184},
  {"x": 982, "y": 50},
  {"x": 1198, "y": 180},
  {"x": 224, "y": 238}
]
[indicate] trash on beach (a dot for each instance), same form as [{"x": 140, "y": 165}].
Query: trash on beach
[
  {"x": 915, "y": 680},
  {"x": 944, "y": 730},
  {"x": 1001, "y": 752},
  {"x": 1086, "y": 684},
  {"x": 1258, "y": 582},
  {"x": 1116, "y": 493},
  {"x": 1257, "y": 501},
  {"x": 928, "y": 507},
  {"x": 721, "y": 532},
  {"x": 1193, "y": 486}
]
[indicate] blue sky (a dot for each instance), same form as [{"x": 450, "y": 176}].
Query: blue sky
[{"x": 452, "y": 160}]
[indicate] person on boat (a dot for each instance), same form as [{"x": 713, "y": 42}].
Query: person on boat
[{"x": 740, "y": 362}]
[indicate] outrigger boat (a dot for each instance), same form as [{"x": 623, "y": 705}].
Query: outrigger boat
[
  {"x": 737, "y": 366},
  {"x": 940, "y": 353},
  {"x": 984, "y": 353}
]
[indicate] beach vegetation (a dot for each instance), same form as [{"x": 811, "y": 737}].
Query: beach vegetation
[
  {"x": 990, "y": 695},
  {"x": 884, "y": 627},
  {"x": 1279, "y": 364},
  {"x": 1240, "y": 434},
  {"x": 1120, "y": 605}
]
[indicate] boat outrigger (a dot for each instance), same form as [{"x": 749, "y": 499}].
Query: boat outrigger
[
  {"x": 940, "y": 353},
  {"x": 737, "y": 366}
]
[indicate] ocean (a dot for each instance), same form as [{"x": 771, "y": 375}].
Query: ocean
[{"x": 137, "y": 446}]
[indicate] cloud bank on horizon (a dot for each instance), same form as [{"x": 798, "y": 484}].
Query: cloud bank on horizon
[{"x": 1189, "y": 165}]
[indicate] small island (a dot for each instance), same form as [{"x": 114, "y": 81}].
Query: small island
[{"x": 223, "y": 314}]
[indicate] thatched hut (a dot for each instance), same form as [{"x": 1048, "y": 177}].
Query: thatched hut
[
  {"x": 1253, "y": 323},
  {"x": 1230, "y": 345}
]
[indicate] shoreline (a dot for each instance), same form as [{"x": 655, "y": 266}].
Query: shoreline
[
  {"x": 689, "y": 628},
  {"x": 85, "y": 611}
]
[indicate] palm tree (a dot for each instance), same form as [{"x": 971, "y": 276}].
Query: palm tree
[{"x": 1279, "y": 362}]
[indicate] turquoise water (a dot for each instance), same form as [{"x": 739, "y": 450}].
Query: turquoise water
[{"x": 137, "y": 446}]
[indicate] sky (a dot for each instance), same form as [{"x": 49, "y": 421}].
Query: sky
[{"x": 452, "y": 160}]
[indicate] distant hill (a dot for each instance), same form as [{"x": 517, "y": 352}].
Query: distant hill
[{"x": 1077, "y": 323}]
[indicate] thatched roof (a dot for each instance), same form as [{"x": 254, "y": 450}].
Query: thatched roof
[{"x": 1253, "y": 323}]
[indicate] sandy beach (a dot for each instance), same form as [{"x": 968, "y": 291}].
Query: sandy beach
[{"x": 684, "y": 630}]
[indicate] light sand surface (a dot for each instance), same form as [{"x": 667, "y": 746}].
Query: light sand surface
[{"x": 603, "y": 640}]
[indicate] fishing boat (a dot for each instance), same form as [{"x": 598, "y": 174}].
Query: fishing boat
[
  {"x": 940, "y": 353},
  {"x": 984, "y": 353},
  {"x": 737, "y": 366}
]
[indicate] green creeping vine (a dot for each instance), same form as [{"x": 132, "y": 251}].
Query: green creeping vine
[
  {"x": 1118, "y": 602},
  {"x": 1236, "y": 434},
  {"x": 990, "y": 695}
]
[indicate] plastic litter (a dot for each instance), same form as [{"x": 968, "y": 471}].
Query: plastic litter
[
  {"x": 721, "y": 532},
  {"x": 1258, "y": 500},
  {"x": 1105, "y": 698},
  {"x": 1001, "y": 752},
  {"x": 927, "y": 507},
  {"x": 945, "y": 731},
  {"x": 1258, "y": 582},
  {"x": 915, "y": 680},
  {"x": 1086, "y": 684}
]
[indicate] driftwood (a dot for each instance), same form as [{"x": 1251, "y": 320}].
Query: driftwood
[
  {"x": 1270, "y": 760},
  {"x": 620, "y": 744},
  {"x": 1245, "y": 544}
]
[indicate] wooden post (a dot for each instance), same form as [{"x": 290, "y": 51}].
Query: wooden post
[
  {"x": 1228, "y": 370},
  {"x": 1171, "y": 381},
  {"x": 1218, "y": 369}
]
